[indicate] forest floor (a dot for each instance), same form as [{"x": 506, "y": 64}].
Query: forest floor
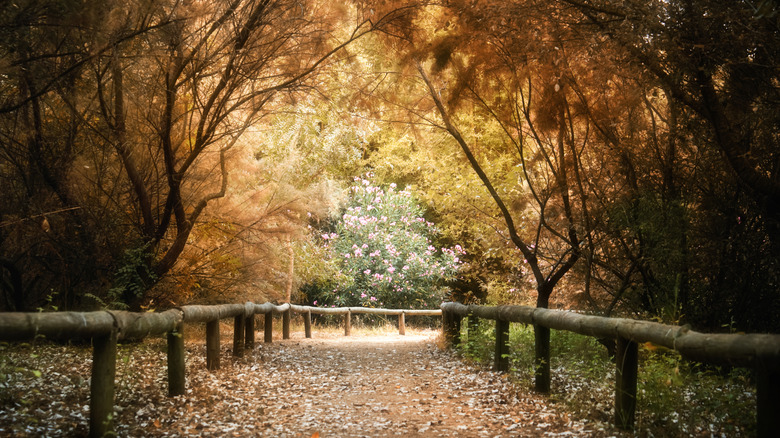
[{"x": 365, "y": 385}]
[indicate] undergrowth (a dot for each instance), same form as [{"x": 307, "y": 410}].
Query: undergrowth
[{"x": 675, "y": 397}]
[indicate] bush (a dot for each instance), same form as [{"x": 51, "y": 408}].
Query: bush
[
  {"x": 675, "y": 397},
  {"x": 383, "y": 248}
]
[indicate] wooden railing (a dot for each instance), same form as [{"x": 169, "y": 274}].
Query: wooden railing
[
  {"x": 105, "y": 328},
  {"x": 758, "y": 351}
]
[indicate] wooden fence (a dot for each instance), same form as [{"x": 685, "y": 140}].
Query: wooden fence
[
  {"x": 105, "y": 328},
  {"x": 758, "y": 351}
]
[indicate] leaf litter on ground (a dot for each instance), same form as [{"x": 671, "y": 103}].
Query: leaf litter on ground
[{"x": 330, "y": 386}]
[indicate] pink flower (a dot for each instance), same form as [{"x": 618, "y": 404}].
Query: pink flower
[{"x": 373, "y": 298}]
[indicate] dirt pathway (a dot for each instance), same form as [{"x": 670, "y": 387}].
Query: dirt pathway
[
  {"x": 329, "y": 386},
  {"x": 393, "y": 385}
]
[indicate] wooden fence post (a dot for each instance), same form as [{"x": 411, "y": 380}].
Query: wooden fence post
[
  {"x": 176, "y": 373},
  {"x": 542, "y": 359},
  {"x": 238, "y": 336},
  {"x": 348, "y": 323},
  {"x": 450, "y": 326},
  {"x": 268, "y": 327},
  {"x": 101, "y": 399},
  {"x": 501, "y": 360},
  {"x": 767, "y": 398},
  {"x": 307, "y": 323},
  {"x": 212, "y": 345},
  {"x": 626, "y": 359},
  {"x": 401, "y": 324},
  {"x": 249, "y": 336},
  {"x": 286, "y": 324},
  {"x": 446, "y": 327}
]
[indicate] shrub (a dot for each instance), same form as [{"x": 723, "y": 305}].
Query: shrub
[
  {"x": 675, "y": 397},
  {"x": 384, "y": 249}
]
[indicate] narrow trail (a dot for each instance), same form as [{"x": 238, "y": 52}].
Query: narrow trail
[
  {"x": 392, "y": 385},
  {"x": 330, "y": 386}
]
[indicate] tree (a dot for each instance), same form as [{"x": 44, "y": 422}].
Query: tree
[
  {"x": 716, "y": 59},
  {"x": 43, "y": 99},
  {"x": 468, "y": 70},
  {"x": 713, "y": 66},
  {"x": 643, "y": 171},
  {"x": 141, "y": 107}
]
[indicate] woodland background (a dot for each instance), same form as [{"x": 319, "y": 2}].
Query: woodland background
[{"x": 618, "y": 157}]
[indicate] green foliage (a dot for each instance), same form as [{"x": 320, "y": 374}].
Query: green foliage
[
  {"x": 477, "y": 340},
  {"x": 661, "y": 230},
  {"x": 313, "y": 143},
  {"x": 133, "y": 277},
  {"x": 675, "y": 397},
  {"x": 383, "y": 248},
  {"x": 464, "y": 214},
  {"x": 680, "y": 395},
  {"x": 50, "y": 306}
]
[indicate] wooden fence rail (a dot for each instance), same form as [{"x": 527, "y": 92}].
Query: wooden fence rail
[
  {"x": 758, "y": 351},
  {"x": 105, "y": 328}
]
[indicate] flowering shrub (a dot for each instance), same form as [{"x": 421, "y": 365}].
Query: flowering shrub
[{"x": 383, "y": 246}]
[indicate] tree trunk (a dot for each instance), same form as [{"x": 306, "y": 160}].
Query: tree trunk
[{"x": 542, "y": 344}]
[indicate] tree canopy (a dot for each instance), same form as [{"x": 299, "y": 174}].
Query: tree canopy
[{"x": 620, "y": 157}]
